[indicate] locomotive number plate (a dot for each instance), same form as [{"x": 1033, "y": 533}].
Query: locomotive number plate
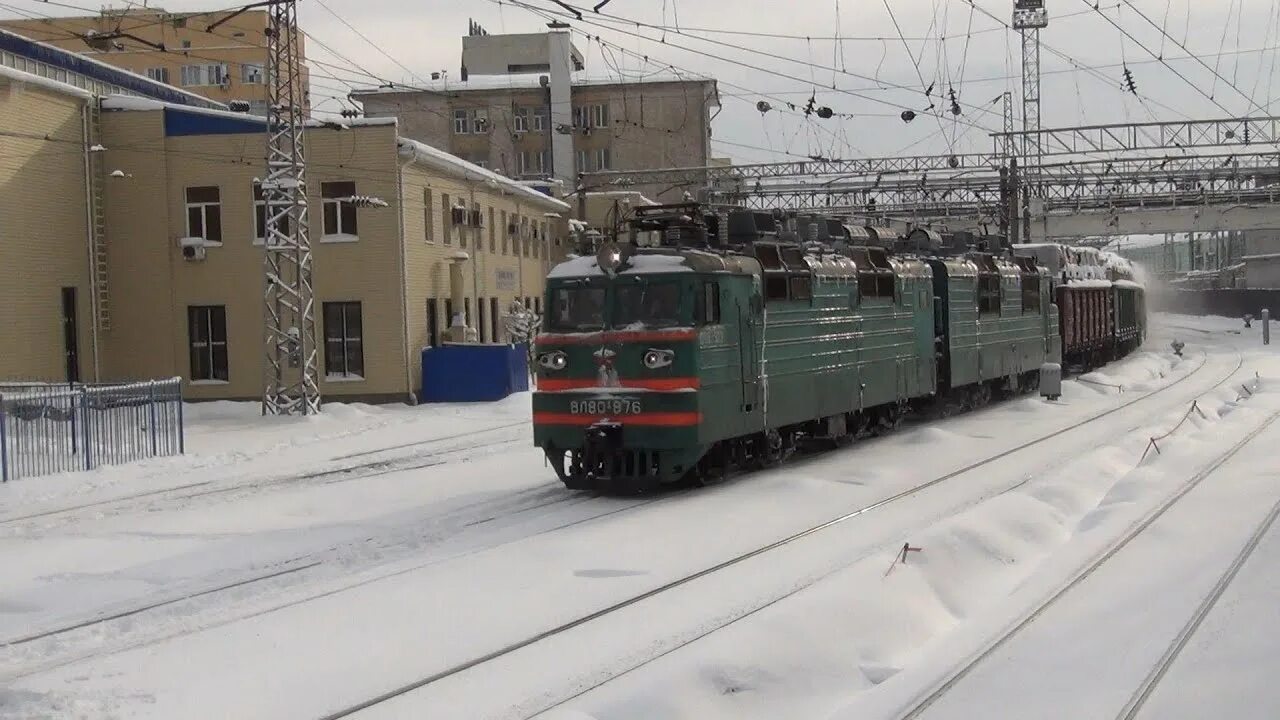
[{"x": 604, "y": 407}]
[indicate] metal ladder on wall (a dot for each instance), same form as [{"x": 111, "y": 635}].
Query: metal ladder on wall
[{"x": 97, "y": 211}]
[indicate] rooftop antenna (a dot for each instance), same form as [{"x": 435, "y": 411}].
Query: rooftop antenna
[{"x": 290, "y": 386}]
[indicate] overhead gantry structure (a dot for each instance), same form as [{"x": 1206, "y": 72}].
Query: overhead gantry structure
[{"x": 1118, "y": 179}]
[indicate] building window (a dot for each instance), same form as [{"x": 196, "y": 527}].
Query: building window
[
  {"x": 493, "y": 319},
  {"x": 207, "y": 335},
  {"x": 493, "y": 244},
  {"x": 480, "y": 121},
  {"x": 520, "y": 119},
  {"x": 482, "y": 320},
  {"x": 252, "y": 74},
  {"x": 433, "y": 323},
  {"x": 579, "y": 117},
  {"x": 524, "y": 234},
  {"x": 215, "y": 74},
  {"x": 506, "y": 231},
  {"x": 526, "y": 162},
  {"x": 339, "y": 216},
  {"x": 159, "y": 74},
  {"x": 260, "y": 216},
  {"x": 583, "y": 165},
  {"x": 343, "y": 341},
  {"x": 603, "y": 159},
  {"x": 481, "y": 162},
  {"x": 598, "y": 115},
  {"x": 461, "y": 125},
  {"x": 540, "y": 120},
  {"x": 204, "y": 213},
  {"x": 446, "y": 219},
  {"x": 428, "y": 217}
]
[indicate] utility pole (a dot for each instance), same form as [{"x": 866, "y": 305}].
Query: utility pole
[{"x": 291, "y": 383}]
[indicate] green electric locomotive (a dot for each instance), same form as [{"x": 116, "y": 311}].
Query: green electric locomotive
[{"x": 690, "y": 358}]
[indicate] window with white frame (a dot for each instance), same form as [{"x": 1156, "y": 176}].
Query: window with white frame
[
  {"x": 540, "y": 119},
  {"x": 461, "y": 123},
  {"x": 339, "y": 213},
  {"x": 480, "y": 121},
  {"x": 579, "y": 117},
  {"x": 204, "y": 213},
  {"x": 343, "y": 341},
  {"x": 260, "y": 216},
  {"x": 583, "y": 164},
  {"x": 215, "y": 74},
  {"x": 207, "y": 340},
  {"x": 520, "y": 119},
  {"x": 526, "y": 162},
  {"x": 252, "y": 74},
  {"x": 599, "y": 115},
  {"x": 603, "y": 159},
  {"x": 159, "y": 74}
]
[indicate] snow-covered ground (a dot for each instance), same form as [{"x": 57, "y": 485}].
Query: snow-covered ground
[{"x": 298, "y": 568}]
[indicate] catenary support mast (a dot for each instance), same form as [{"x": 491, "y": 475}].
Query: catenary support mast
[{"x": 290, "y": 384}]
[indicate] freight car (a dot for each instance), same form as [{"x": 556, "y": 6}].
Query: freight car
[
  {"x": 685, "y": 360},
  {"x": 1101, "y": 305}
]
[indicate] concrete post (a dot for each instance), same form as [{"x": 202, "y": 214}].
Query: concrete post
[
  {"x": 457, "y": 294},
  {"x": 1266, "y": 326}
]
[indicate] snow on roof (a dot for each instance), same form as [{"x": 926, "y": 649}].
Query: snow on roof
[
  {"x": 106, "y": 72},
  {"x": 636, "y": 265},
  {"x": 131, "y": 103},
  {"x": 441, "y": 160},
  {"x": 530, "y": 81},
  {"x": 44, "y": 82}
]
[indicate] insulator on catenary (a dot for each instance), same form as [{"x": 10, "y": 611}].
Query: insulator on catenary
[{"x": 763, "y": 106}]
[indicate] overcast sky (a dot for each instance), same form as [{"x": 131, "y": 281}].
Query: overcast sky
[{"x": 873, "y": 79}]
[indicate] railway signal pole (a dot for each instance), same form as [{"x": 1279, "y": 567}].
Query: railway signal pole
[{"x": 290, "y": 384}]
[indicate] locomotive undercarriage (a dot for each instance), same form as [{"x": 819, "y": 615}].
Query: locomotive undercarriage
[{"x": 604, "y": 464}]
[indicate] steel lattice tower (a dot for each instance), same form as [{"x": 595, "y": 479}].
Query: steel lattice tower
[
  {"x": 1029, "y": 16},
  {"x": 290, "y": 383}
]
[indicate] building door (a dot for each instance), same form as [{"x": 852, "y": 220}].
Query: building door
[
  {"x": 493, "y": 318},
  {"x": 433, "y": 323},
  {"x": 70, "y": 334}
]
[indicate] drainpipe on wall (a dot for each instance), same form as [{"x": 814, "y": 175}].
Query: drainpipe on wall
[
  {"x": 401, "y": 162},
  {"x": 90, "y": 236}
]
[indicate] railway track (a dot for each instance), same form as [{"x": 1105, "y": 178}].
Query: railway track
[
  {"x": 383, "y": 466},
  {"x": 1151, "y": 681},
  {"x": 745, "y": 556},
  {"x": 356, "y": 471}
]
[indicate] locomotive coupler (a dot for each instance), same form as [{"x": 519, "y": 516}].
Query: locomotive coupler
[{"x": 601, "y": 443}]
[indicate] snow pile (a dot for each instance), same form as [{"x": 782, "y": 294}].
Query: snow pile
[{"x": 869, "y": 636}]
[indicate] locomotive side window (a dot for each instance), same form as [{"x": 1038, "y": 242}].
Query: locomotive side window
[
  {"x": 1031, "y": 294},
  {"x": 988, "y": 294},
  {"x": 651, "y": 304},
  {"x": 801, "y": 287},
  {"x": 709, "y": 310},
  {"x": 579, "y": 309}
]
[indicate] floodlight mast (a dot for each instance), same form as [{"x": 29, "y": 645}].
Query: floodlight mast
[
  {"x": 291, "y": 384},
  {"x": 1029, "y": 16}
]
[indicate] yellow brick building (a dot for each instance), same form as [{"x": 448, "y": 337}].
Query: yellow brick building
[
  {"x": 164, "y": 176},
  {"x": 218, "y": 55}
]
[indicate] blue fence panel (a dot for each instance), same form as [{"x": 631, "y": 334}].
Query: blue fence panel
[
  {"x": 46, "y": 429},
  {"x": 473, "y": 373}
]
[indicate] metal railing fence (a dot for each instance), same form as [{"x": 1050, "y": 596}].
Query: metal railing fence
[{"x": 51, "y": 428}]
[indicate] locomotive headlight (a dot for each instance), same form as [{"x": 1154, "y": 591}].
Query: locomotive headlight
[
  {"x": 654, "y": 359},
  {"x": 553, "y": 360}
]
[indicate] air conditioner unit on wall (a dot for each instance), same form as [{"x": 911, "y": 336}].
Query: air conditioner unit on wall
[
  {"x": 458, "y": 215},
  {"x": 192, "y": 248}
]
